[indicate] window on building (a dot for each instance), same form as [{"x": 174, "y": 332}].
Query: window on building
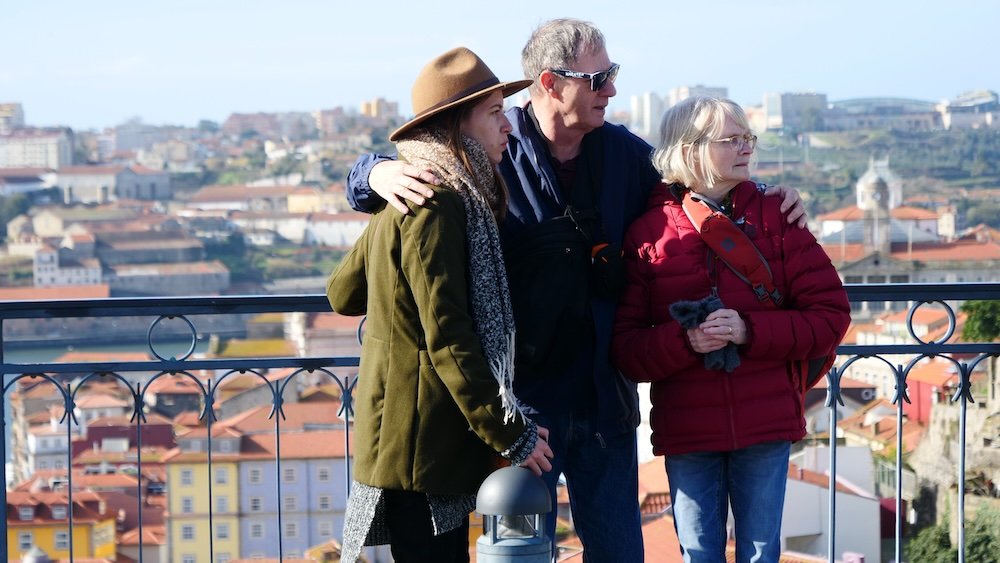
[
  {"x": 223, "y": 558},
  {"x": 222, "y": 531},
  {"x": 187, "y": 532},
  {"x": 255, "y": 476},
  {"x": 187, "y": 505},
  {"x": 25, "y": 540},
  {"x": 854, "y": 279},
  {"x": 876, "y": 279},
  {"x": 289, "y": 475},
  {"x": 26, "y": 513},
  {"x": 256, "y": 504},
  {"x": 323, "y": 502},
  {"x": 187, "y": 559},
  {"x": 62, "y": 541},
  {"x": 226, "y": 446},
  {"x": 256, "y": 531},
  {"x": 291, "y": 530},
  {"x": 899, "y": 278},
  {"x": 323, "y": 474},
  {"x": 59, "y": 512},
  {"x": 324, "y": 528},
  {"x": 221, "y": 475},
  {"x": 187, "y": 477},
  {"x": 222, "y": 504},
  {"x": 291, "y": 504}
]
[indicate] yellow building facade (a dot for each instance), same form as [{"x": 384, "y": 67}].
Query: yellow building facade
[
  {"x": 188, "y": 502},
  {"x": 40, "y": 519}
]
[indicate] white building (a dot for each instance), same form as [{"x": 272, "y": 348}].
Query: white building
[
  {"x": 11, "y": 117},
  {"x": 335, "y": 229},
  {"x": 49, "y": 271},
  {"x": 684, "y": 92},
  {"x": 101, "y": 184},
  {"x": 36, "y": 148},
  {"x": 647, "y": 110},
  {"x": 805, "y": 525}
]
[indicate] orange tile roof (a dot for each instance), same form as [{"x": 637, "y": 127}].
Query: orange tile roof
[
  {"x": 846, "y": 383},
  {"x": 99, "y": 401},
  {"x": 91, "y": 170},
  {"x": 906, "y": 213},
  {"x": 822, "y": 480},
  {"x": 98, "y": 291},
  {"x": 934, "y": 372},
  {"x": 333, "y": 321},
  {"x": 840, "y": 253},
  {"x": 855, "y": 213},
  {"x": 957, "y": 251},
  {"x": 151, "y": 535},
  {"x": 297, "y": 417}
]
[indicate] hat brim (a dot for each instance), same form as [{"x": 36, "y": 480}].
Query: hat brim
[{"x": 506, "y": 88}]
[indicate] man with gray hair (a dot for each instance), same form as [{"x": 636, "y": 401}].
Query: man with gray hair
[{"x": 576, "y": 182}]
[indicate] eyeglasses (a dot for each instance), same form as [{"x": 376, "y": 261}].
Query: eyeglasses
[
  {"x": 597, "y": 79},
  {"x": 739, "y": 142}
]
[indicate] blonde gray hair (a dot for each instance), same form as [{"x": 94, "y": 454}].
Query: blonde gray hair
[
  {"x": 686, "y": 133},
  {"x": 559, "y": 43}
]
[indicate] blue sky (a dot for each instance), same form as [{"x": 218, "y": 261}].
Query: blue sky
[{"x": 97, "y": 63}]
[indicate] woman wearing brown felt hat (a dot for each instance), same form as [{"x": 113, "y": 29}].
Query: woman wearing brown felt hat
[{"x": 437, "y": 355}]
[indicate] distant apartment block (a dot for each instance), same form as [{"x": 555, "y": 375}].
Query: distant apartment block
[
  {"x": 684, "y": 92},
  {"x": 11, "y": 117},
  {"x": 134, "y": 134},
  {"x": 980, "y": 108},
  {"x": 379, "y": 108},
  {"x": 647, "y": 109},
  {"x": 293, "y": 125},
  {"x": 101, "y": 184},
  {"x": 36, "y": 148},
  {"x": 882, "y": 113},
  {"x": 796, "y": 111},
  {"x": 330, "y": 122}
]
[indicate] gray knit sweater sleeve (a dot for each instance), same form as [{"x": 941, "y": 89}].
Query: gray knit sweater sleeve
[{"x": 519, "y": 451}]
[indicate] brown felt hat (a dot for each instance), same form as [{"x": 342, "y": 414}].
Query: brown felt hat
[{"x": 452, "y": 79}]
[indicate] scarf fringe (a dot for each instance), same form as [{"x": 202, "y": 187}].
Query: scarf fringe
[{"x": 502, "y": 368}]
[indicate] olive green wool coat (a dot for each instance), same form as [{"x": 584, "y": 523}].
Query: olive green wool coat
[{"x": 427, "y": 412}]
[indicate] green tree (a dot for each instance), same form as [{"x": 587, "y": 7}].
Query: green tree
[
  {"x": 982, "y": 537},
  {"x": 983, "y": 325},
  {"x": 983, "y": 322},
  {"x": 931, "y": 545},
  {"x": 11, "y": 207}
]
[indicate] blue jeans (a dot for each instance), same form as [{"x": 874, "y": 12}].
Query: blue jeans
[
  {"x": 704, "y": 484},
  {"x": 602, "y": 477}
]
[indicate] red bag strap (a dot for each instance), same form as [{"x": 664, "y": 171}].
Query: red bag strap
[{"x": 732, "y": 246}]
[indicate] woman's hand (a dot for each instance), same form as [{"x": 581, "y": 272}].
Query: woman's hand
[
  {"x": 722, "y": 325},
  {"x": 538, "y": 462}
]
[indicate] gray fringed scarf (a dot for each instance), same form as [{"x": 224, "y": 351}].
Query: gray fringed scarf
[{"x": 491, "y": 307}]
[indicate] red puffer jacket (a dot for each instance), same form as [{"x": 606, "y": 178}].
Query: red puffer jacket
[{"x": 695, "y": 409}]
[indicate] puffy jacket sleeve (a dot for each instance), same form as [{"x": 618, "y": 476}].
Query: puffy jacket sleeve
[
  {"x": 434, "y": 265},
  {"x": 360, "y": 194},
  {"x": 818, "y": 312},
  {"x": 642, "y": 349},
  {"x": 347, "y": 286}
]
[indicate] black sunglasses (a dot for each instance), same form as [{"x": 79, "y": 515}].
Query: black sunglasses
[{"x": 597, "y": 79}]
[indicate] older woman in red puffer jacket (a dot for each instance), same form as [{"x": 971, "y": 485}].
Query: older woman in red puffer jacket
[{"x": 726, "y": 435}]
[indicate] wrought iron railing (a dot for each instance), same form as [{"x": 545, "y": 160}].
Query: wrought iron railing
[{"x": 965, "y": 357}]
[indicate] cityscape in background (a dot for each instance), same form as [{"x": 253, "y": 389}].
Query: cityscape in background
[{"x": 898, "y": 191}]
